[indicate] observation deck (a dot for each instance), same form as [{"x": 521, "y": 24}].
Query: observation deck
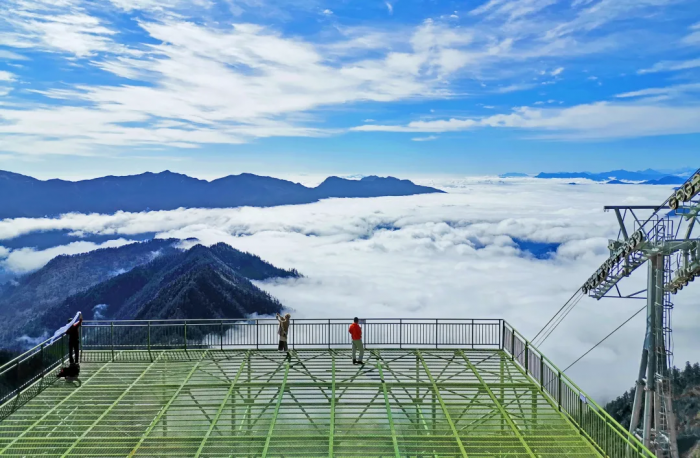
[{"x": 428, "y": 388}]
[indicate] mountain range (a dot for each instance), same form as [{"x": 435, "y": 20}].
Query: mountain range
[
  {"x": 148, "y": 280},
  {"x": 24, "y": 196},
  {"x": 648, "y": 176}
]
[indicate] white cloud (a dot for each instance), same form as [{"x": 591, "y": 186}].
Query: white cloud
[
  {"x": 443, "y": 255},
  {"x": 593, "y": 121},
  {"x": 425, "y": 139},
  {"x": 389, "y": 7},
  {"x": 694, "y": 37},
  {"x": 224, "y": 86},
  {"x": 9, "y": 55},
  {"x": 670, "y": 66},
  {"x": 6, "y": 76},
  {"x": 676, "y": 90},
  {"x": 557, "y": 71},
  {"x": 28, "y": 259},
  {"x": 596, "y": 15},
  {"x": 328, "y": 12},
  {"x": 57, "y": 28},
  {"x": 511, "y": 9},
  {"x": 515, "y": 88}
]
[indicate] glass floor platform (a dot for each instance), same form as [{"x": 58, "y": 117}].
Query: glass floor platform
[{"x": 311, "y": 403}]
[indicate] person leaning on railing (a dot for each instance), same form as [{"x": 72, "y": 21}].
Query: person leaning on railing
[{"x": 73, "y": 334}]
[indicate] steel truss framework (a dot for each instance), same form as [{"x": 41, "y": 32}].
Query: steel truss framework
[
  {"x": 259, "y": 403},
  {"x": 670, "y": 242}
]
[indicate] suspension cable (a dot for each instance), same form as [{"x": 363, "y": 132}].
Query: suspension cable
[
  {"x": 558, "y": 317},
  {"x": 605, "y": 338}
]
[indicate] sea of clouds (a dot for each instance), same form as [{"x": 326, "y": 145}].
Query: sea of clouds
[{"x": 457, "y": 255}]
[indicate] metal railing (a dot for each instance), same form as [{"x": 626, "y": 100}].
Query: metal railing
[
  {"x": 303, "y": 333},
  {"x": 606, "y": 434},
  {"x": 19, "y": 377}
]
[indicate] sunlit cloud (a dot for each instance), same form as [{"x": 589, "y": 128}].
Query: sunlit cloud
[{"x": 460, "y": 254}]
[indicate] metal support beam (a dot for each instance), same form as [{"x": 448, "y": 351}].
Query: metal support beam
[
  {"x": 388, "y": 412},
  {"x": 280, "y": 394},
  {"x": 499, "y": 406},
  {"x": 52, "y": 410},
  {"x": 165, "y": 408},
  {"x": 436, "y": 391},
  {"x": 222, "y": 406},
  {"x": 109, "y": 409}
]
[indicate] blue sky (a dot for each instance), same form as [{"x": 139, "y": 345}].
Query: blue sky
[{"x": 210, "y": 87}]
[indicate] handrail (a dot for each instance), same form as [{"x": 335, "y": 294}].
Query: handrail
[
  {"x": 22, "y": 356},
  {"x": 538, "y": 377},
  {"x": 217, "y": 320},
  {"x": 303, "y": 332}
]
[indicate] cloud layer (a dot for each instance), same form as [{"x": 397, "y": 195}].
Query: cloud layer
[
  {"x": 449, "y": 255},
  {"x": 185, "y": 75}
]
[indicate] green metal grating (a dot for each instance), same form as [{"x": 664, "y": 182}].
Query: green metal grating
[{"x": 258, "y": 403}]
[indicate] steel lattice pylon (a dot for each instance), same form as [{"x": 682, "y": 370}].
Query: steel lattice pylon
[
  {"x": 667, "y": 241},
  {"x": 259, "y": 403}
]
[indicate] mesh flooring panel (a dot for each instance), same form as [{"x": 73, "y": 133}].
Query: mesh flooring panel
[{"x": 237, "y": 403}]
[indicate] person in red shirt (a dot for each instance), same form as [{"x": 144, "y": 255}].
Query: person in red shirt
[
  {"x": 356, "y": 333},
  {"x": 73, "y": 334}
]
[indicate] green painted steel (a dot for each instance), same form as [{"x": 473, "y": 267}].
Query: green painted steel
[
  {"x": 390, "y": 417},
  {"x": 314, "y": 403},
  {"x": 445, "y": 411},
  {"x": 146, "y": 397}
]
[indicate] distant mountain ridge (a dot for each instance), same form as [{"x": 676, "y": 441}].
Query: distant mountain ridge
[
  {"x": 25, "y": 196},
  {"x": 127, "y": 280},
  {"x": 647, "y": 176}
]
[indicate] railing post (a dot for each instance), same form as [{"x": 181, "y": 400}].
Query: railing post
[
  {"x": 257, "y": 335},
  {"x": 42, "y": 360},
  {"x": 185, "y": 335},
  {"x": 19, "y": 383},
  {"x": 291, "y": 328},
  {"x": 472, "y": 333},
  {"x": 541, "y": 372},
  {"x": 512, "y": 344},
  {"x": 559, "y": 391},
  {"x": 436, "y": 333},
  {"x": 111, "y": 337},
  {"x": 222, "y": 335},
  {"x": 503, "y": 334},
  {"x": 149, "y": 338},
  {"x": 400, "y": 333},
  {"x": 527, "y": 360},
  {"x": 329, "y": 333}
]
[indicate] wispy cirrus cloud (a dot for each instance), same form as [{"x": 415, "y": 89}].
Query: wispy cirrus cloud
[
  {"x": 173, "y": 74},
  {"x": 668, "y": 91},
  {"x": 602, "y": 120},
  {"x": 671, "y": 66}
]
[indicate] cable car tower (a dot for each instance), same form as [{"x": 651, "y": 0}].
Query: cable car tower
[{"x": 667, "y": 242}]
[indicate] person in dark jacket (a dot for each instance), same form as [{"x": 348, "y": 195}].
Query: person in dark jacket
[
  {"x": 283, "y": 331},
  {"x": 73, "y": 334}
]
